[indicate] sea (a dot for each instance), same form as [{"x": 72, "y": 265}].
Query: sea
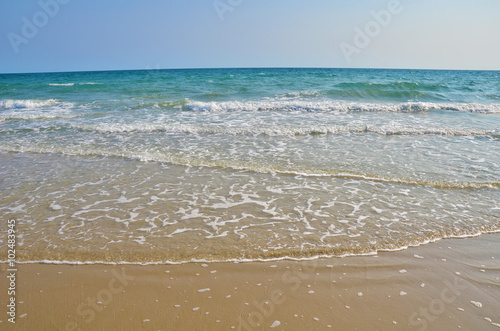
[{"x": 174, "y": 166}]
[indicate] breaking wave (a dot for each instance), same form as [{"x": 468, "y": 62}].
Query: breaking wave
[{"x": 337, "y": 106}]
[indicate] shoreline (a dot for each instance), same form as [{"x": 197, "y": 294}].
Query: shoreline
[
  {"x": 448, "y": 284},
  {"x": 257, "y": 260}
]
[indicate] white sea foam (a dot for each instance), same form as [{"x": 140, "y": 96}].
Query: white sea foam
[
  {"x": 73, "y": 84},
  {"x": 26, "y": 104},
  {"x": 35, "y": 109},
  {"x": 336, "y": 106},
  {"x": 62, "y": 84},
  {"x": 244, "y": 260},
  {"x": 35, "y": 116},
  {"x": 147, "y": 156},
  {"x": 279, "y": 130},
  {"x": 298, "y": 95}
]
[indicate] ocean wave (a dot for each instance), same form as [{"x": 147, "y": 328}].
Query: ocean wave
[
  {"x": 35, "y": 109},
  {"x": 299, "y": 94},
  {"x": 408, "y": 86},
  {"x": 73, "y": 84},
  {"x": 156, "y": 156},
  {"x": 375, "y": 94},
  {"x": 35, "y": 116},
  {"x": 26, "y": 104},
  {"x": 403, "y": 91},
  {"x": 176, "y": 104},
  {"x": 279, "y": 131},
  {"x": 336, "y": 106},
  {"x": 61, "y": 84}
]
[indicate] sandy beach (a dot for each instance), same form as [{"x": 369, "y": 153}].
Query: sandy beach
[
  {"x": 447, "y": 285},
  {"x": 249, "y": 165}
]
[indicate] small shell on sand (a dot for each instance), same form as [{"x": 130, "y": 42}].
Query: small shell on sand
[
  {"x": 477, "y": 304},
  {"x": 275, "y": 324}
]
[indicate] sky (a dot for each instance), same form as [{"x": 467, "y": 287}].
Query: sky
[{"x": 87, "y": 35}]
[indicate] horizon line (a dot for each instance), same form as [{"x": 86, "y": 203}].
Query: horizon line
[{"x": 234, "y": 68}]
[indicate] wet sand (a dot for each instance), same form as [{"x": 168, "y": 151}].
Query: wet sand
[{"x": 447, "y": 285}]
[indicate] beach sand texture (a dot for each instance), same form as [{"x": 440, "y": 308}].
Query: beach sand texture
[{"x": 447, "y": 285}]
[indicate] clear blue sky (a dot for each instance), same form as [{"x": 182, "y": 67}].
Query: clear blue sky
[{"x": 132, "y": 34}]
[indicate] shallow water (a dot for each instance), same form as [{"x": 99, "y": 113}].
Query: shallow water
[{"x": 237, "y": 164}]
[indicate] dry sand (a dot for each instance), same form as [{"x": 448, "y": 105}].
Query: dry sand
[{"x": 448, "y": 285}]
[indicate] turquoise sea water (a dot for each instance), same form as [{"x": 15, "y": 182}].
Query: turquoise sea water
[{"x": 236, "y": 164}]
